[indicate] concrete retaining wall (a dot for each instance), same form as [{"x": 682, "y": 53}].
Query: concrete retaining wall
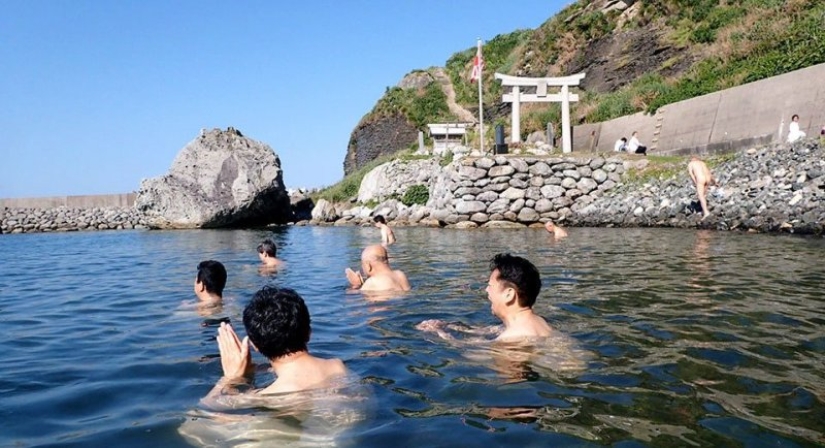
[
  {"x": 741, "y": 117},
  {"x": 71, "y": 202}
]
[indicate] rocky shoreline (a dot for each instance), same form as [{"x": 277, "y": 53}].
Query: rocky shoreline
[
  {"x": 777, "y": 188},
  {"x": 62, "y": 219}
]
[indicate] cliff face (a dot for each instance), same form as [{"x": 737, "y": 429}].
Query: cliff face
[
  {"x": 639, "y": 55},
  {"x": 383, "y": 136}
]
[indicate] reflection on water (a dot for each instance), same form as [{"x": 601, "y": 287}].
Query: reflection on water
[{"x": 667, "y": 338}]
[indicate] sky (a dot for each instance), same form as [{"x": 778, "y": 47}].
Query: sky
[{"x": 97, "y": 95}]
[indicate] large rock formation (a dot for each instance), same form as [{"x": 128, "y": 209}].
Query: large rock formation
[
  {"x": 383, "y": 136},
  {"x": 220, "y": 179}
]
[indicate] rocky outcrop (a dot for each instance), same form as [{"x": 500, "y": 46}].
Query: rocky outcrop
[
  {"x": 378, "y": 137},
  {"x": 62, "y": 219},
  {"x": 220, "y": 179},
  {"x": 394, "y": 178},
  {"x": 774, "y": 188}
]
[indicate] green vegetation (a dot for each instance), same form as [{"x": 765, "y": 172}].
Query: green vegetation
[
  {"x": 347, "y": 187},
  {"x": 416, "y": 194},
  {"x": 446, "y": 159},
  {"x": 420, "y": 107}
]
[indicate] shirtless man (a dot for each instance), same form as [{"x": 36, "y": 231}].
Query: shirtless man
[
  {"x": 278, "y": 326},
  {"x": 558, "y": 232},
  {"x": 209, "y": 282},
  {"x": 380, "y": 276},
  {"x": 387, "y": 235},
  {"x": 512, "y": 289},
  {"x": 702, "y": 178},
  {"x": 267, "y": 253}
]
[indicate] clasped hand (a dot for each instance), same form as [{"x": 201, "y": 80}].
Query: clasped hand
[{"x": 235, "y": 358}]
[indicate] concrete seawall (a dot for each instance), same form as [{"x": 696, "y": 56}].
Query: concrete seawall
[
  {"x": 750, "y": 115},
  {"x": 124, "y": 200}
]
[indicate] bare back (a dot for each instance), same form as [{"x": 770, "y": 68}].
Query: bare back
[
  {"x": 533, "y": 326},
  {"x": 309, "y": 373},
  {"x": 700, "y": 173},
  {"x": 393, "y": 280}
]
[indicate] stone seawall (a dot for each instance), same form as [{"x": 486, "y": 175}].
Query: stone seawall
[
  {"x": 520, "y": 189},
  {"x": 62, "y": 219}
]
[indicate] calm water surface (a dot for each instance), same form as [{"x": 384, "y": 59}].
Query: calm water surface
[{"x": 694, "y": 338}]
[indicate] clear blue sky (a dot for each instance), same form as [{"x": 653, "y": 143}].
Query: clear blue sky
[{"x": 96, "y": 95}]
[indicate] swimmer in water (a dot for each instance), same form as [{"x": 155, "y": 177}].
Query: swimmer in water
[
  {"x": 387, "y": 235},
  {"x": 558, "y": 232},
  {"x": 209, "y": 282},
  {"x": 277, "y": 325},
  {"x": 512, "y": 290},
  {"x": 380, "y": 276},
  {"x": 267, "y": 252}
]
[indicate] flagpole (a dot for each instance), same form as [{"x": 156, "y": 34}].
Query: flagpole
[{"x": 480, "y": 96}]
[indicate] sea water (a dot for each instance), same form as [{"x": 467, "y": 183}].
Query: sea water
[{"x": 665, "y": 338}]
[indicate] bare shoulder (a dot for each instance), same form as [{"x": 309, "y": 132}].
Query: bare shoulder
[{"x": 401, "y": 277}]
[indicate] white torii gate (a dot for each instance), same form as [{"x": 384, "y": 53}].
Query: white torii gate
[{"x": 541, "y": 96}]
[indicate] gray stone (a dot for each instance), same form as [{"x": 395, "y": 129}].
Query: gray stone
[
  {"x": 520, "y": 165},
  {"x": 513, "y": 193},
  {"x": 472, "y": 173},
  {"x": 324, "y": 211},
  {"x": 518, "y": 183},
  {"x": 533, "y": 193},
  {"x": 599, "y": 176},
  {"x": 499, "y": 206},
  {"x": 469, "y": 207},
  {"x": 530, "y": 203},
  {"x": 586, "y": 185},
  {"x": 540, "y": 169},
  {"x": 573, "y": 174},
  {"x": 219, "y": 179},
  {"x": 536, "y": 181},
  {"x": 527, "y": 215},
  {"x": 466, "y": 224},
  {"x": 467, "y": 190},
  {"x": 502, "y": 170},
  {"x": 485, "y": 163},
  {"x": 517, "y": 205},
  {"x": 552, "y": 191},
  {"x": 568, "y": 183},
  {"x": 503, "y": 224},
  {"x": 479, "y": 218},
  {"x": 544, "y": 205},
  {"x": 487, "y": 196},
  {"x": 597, "y": 163}
]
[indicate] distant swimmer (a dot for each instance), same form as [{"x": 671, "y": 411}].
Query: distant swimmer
[
  {"x": 512, "y": 289},
  {"x": 558, "y": 232},
  {"x": 380, "y": 276},
  {"x": 267, "y": 252},
  {"x": 277, "y": 325},
  {"x": 210, "y": 281},
  {"x": 387, "y": 235},
  {"x": 703, "y": 179}
]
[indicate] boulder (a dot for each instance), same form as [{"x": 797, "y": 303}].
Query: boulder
[
  {"x": 324, "y": 211},
  {"x": 219, "y": 179}
]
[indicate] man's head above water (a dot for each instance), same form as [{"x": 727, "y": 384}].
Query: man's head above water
[
  {"x": 210, "y": 280},
  {"x": 277, "y": 322},
  {"x": 519, "y": 274}
]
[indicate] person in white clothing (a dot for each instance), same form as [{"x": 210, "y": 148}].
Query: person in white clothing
[
  {"x": 634, "y": 146},
  {"x": 794, "y": 133},
  {"x": 621, "y": 145}
]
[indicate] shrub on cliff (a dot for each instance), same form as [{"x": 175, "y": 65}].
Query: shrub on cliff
[{"x": 416, "y": 194}]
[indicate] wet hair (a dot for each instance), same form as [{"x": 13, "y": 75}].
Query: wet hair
[
  {"x": 268, "y": 247},
  {"x": 520, "y": 274},
  {"x": 795, "y": 117},
  {"x": 212, "y": 275},
  {"x": 379, "y": 218},
  {"x": 277, "y": 322}
]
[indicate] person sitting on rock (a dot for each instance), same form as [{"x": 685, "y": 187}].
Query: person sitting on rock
[
  {"x": 634, "y": 146},
  {"x": 558, "y": 232},
  {"x": 380, "y": 276},
  {"x": 387, "y": 235},
  {"x": 621, "y": 145},
  {"x": 794, "y": 133},
  {"x": 267, "y": 253}
]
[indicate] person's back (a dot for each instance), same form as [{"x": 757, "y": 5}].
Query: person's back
[
  {"x": 267, "y": 253},
  {"x": 621, "y": 145},
  {"x": 387, "y": 235},
  {"x": 380, "y": 276}
]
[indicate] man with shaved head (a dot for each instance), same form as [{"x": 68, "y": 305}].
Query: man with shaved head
[{"x": 375, "y": 265}]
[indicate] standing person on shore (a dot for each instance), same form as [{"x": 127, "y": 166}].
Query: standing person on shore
[
  {"x": 380, "y": 276},
  {"x": 702, "y": 179},
  {"x": 387, "y": 235}
]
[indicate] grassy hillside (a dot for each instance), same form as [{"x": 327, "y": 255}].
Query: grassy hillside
[{"x": 720, "y": 43}]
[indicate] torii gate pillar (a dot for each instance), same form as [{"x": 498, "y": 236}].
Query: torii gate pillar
[{"x": 564, "y": 97}]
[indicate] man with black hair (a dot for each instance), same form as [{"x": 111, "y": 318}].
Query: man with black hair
[
  {"x": 387, "y": 235},
  {"x": 267, "y": 252},
  {"x": 512, "y": 289},
  {"x": 277, "y": 325},
  {"x": 210, "y": 281}
]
